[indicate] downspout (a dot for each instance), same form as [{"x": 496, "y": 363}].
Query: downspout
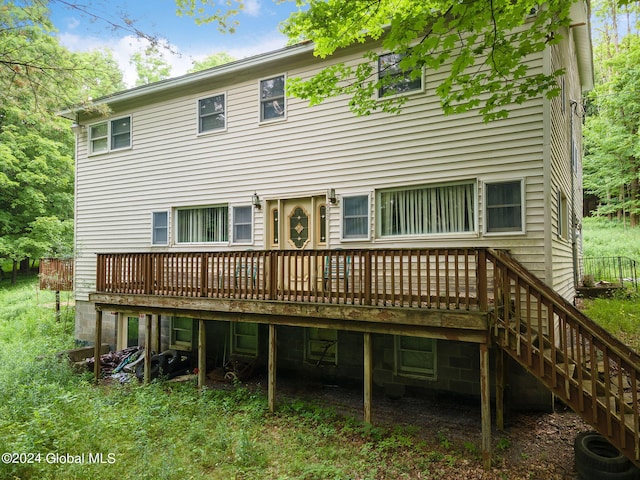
[{"x": 574, "y": 226}]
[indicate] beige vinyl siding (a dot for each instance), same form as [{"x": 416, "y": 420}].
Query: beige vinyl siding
[
  {"x": 561, "y": 171},
  {"x": 314, "y": 149}
]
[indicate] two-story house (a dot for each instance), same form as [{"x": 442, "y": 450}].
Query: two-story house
[{"x": 216, "y": 215}]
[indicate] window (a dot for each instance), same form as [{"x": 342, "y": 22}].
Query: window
[
  {"x": 415, "y": 357},
  {"x": 181, "y": 333},
  {"x": 427, "y": 210},
  {"x": 275, "y": 227},
  {"x": 244, "y": 339},
  {"x": 563, "y": 215},
  {"x": 203, "y": 225},
  {"x": 322, "y": 218},
  {"x": 211, "y": 113},
  {"x": 504, "y": 206},
  {"x": 160, "y": 228},
  {"x": 355, "y": 217},
  {"x": 393, "y": 79},
  {"x": 272, "y": 99},
  {"x": 242, "y": 223},
  {"x": 321, "y": 346},
  {"x": 113, "y": 135}
]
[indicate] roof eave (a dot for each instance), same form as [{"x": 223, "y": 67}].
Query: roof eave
[{"x": 192, "y": 78}]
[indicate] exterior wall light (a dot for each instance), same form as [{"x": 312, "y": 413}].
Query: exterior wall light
[
  {"x": 255, "y": 201},
  {"x": 331, "y": 196}
]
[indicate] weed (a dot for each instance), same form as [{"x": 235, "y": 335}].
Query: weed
[
  {"x": 503, "y": 444},
  {"x": 444, "y": 441}
]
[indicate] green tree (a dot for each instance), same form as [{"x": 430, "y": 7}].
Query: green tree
[
  {"x": 481, "y": 45},
  {"x": 150, "y": 66},
  {"x": 612, "y": 160},
  {"x": 213, "y": 60},
  {"x": 39, "y": 77}
]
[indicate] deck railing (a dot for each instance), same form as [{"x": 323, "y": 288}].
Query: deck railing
[
  {"x": 421, "y": 278},
  {"x": 589, "y": 369},
  {"x": 581, "y": 363}
]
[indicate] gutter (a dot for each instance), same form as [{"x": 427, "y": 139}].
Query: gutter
[{"x": 193, "y": 78}]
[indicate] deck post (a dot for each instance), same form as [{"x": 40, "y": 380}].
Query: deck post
[
  {"x": 156, "y": 344},
  {"x": 485, "y": 408},
  {"x": 97, "y": 346},
  {"x": 202, "y": 353},
  {"x": 147, "y": 348},
  {"x": 500, "y": 377},
  {"x": 271, "y": 393},
  {"x": 368, "y": 377}
]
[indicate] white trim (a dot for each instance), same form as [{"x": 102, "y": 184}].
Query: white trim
[
  {"x": 417, "y": 91},
  {"x": 341, "y": 202},
  {"x": 199, "y": 207},
  {"x": 109, "y": 122},
  {"x": 523, "y": 207},
  {"x": 262, "y": 121},
  {"x": 226, "y": 116},
  {"x": 168, "y": 212},
  {"x": 232, "y": 237},
  {"x": 473, "y": 233},
  {"x": 209, "y": 75}
]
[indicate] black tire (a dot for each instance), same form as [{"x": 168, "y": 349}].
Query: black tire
[
  {"x": 587, "y": 473},
  {"x": 593, "y": 452},
  {"x": 158, "y": 367}
]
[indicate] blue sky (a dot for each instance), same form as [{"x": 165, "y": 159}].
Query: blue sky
[{"x": 257, "y": 32}]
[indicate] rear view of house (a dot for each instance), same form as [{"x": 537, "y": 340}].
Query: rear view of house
[{"x": 217, "y": 216}]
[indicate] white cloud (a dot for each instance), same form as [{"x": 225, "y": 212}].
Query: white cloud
[
  {"x": 252, "y": 7},
  {"x": 123, "y": 48}
]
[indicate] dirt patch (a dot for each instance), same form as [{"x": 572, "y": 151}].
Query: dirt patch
[{"x": 534, "y": 445}]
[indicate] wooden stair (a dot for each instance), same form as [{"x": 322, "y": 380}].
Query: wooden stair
[{"x": 590, "y": 370}]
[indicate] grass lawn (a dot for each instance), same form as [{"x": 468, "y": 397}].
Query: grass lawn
[{"x": 59, "y": 425}]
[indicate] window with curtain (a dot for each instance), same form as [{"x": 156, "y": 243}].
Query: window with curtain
[
  {"x": 504, "y": 206},
  {"x": 427, "y": 210},
  {"x": 202, "y": 225}
]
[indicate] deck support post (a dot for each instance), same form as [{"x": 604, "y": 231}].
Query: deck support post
[
  {"x": 156, "y": 343},
  {"x": 368, "y": 377},
  {"x": 500, "y": 377},
  {"x": 97, "y": 346},
  {"x": 202, "y": 352},
  {"x": 271, "y": 393},
  {"x": 485, "y": 408},
  {"x": 147, "y": 348}
]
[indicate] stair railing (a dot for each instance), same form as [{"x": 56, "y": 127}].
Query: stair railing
[{"x": 585, "y": 366}]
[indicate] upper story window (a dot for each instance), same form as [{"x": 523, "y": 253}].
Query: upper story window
[
  {"x": 427, "y": 210},
  {"x": 203, "y": 225},
  {"x": 393, "y": 79},
  {"x": 272, "y": 99},
  {"x": 112, "y": 135},
  {"x": 355, "y": 217},
  {"x": 504, "y": 206},
  {"x": 212, "y": 113}
]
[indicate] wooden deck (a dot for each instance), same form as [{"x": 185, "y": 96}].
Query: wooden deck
[{"x": 473, "y": 295}]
